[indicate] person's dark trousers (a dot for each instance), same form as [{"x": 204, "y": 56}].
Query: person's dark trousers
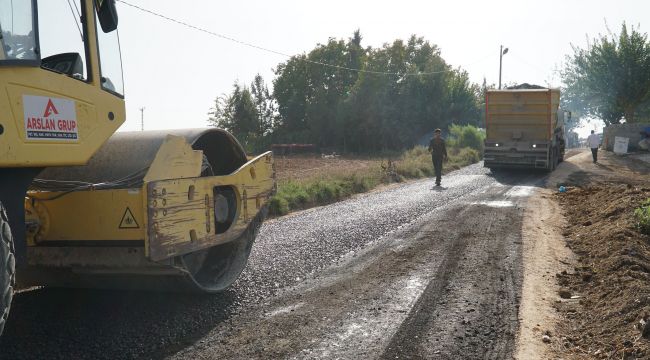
[
  {"x": 437, "y": 168},
  {"x": 594, "y": 154}
]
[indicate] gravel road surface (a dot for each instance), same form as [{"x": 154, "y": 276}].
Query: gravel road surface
[{"x": 411, "y": 271}]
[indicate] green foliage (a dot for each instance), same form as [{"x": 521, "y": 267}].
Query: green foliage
[
  {"x": 360, "y": 183},
  {"x": 466, "y": 155},
  {"x": 235, "y": 112},
  {"x": 295, "y": 195},
  {"x": 466, "y": 136},
  {"x": 278, "y": 206},
  {"x": 416, "y": 152},
  {"x": 415, "y": 163},
  {"x": 610, "y": 79},
  {"x": 642, "y": 215},
  {"x": 326, "y": 191},
  {"x": 265, "y": 106}
]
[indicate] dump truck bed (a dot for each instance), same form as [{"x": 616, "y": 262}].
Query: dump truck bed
[
  {"x": 532, "y": 113},
  {"x": 523, "y": 128}
]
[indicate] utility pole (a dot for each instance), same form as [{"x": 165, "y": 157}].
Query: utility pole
[
  {"x": 142, "y": 118},
  {"x": 502, "y": 52}
]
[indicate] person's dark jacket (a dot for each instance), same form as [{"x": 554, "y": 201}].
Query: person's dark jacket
[{"x": 437, "y": 148}]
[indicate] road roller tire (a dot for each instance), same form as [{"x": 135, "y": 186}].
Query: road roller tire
[
  {"x": 7, "y": 268},
  {"x": 214, "y": 269},
  {"x": 205, "y": 271}
]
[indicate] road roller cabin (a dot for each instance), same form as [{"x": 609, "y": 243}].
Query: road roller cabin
[{"x": 83, "y": 206}]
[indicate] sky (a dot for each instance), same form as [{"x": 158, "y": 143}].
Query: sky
[{"x": 175, "y": 72}]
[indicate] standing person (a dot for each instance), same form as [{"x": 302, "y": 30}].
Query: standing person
[
  {"x": 594, "y": 142},
  {"x": 438, "y": 152},
  {"x": 644, "y": 144}
]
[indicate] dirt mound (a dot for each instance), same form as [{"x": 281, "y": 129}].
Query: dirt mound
[
  {"x": 525, "y": 86},
  {"x": 604, "y": 298}
]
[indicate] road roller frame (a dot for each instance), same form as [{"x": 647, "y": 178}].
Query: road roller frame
[
  {"x": 168, "y": 218},
  {"x": 173, "y": 213}
]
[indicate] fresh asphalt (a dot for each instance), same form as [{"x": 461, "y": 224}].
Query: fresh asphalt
[{"x": 481, "y": 214}]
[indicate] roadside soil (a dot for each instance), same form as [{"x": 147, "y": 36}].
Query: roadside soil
[
  {"x": 544, "y": 254},
  {"x": 603, "y": 289},
  {"x": 302, "y": 167}
]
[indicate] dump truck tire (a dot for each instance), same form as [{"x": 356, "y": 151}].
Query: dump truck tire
[
  {"x": 7, "y": 268},
  {"x": 553, "y": 160}
]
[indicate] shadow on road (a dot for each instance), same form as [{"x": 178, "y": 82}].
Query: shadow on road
[
  {"x": 519, "y": 176},
  {"x": 99, "y": 324},
  {"x": 604, "y": 167}
]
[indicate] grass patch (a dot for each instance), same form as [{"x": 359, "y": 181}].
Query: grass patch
[
  {"x": 466, "y": 136},
  {"x": 642, "y": 215},
  {"x": 325, "y": 189},
  {"x": 416, "y": 163},
  {"x": 295, "y": 195}
]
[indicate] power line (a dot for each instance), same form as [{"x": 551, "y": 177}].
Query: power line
[
  {"x": 76, "y": 21},
  {"x": 244, "y": 43},
  {"x": 539, "y": 69},
  {"x": 77, "y": 8}
]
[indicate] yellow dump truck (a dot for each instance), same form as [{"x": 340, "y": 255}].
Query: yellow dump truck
[
  {"x": 80, "y": 206},
  {"x": 524, "y": 128}
]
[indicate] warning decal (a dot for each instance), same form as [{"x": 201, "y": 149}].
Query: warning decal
[
  {"x": 48, "y": 118},
  {"x": 128, "y": 220}
]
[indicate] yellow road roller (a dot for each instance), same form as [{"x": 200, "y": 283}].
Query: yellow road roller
[{"x": 84, "y": 206}]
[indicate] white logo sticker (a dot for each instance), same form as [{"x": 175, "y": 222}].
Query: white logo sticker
[{"x": 48, "y": 118}]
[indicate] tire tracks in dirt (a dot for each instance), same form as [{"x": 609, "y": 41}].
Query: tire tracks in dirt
[{"x": 470, "y": 308}]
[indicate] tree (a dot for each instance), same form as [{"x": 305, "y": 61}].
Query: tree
[
  {"x": 311, "y": 89},
  {"x": 237, "y": 114},
  {"x": 481, "y": 101},
  {"x": 265, "y": 106},
  {"x": 342, "y": 96},
  {"x": 464, "y": 99},
  {"x": 414, "y": 92},
  {"x": 291, "y": 90},
  {"x": 610, "y": 79}
]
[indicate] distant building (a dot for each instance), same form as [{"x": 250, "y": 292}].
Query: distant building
[
  {"x": 288, "y": 149},
  {"x": 631, "y": 131}
]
